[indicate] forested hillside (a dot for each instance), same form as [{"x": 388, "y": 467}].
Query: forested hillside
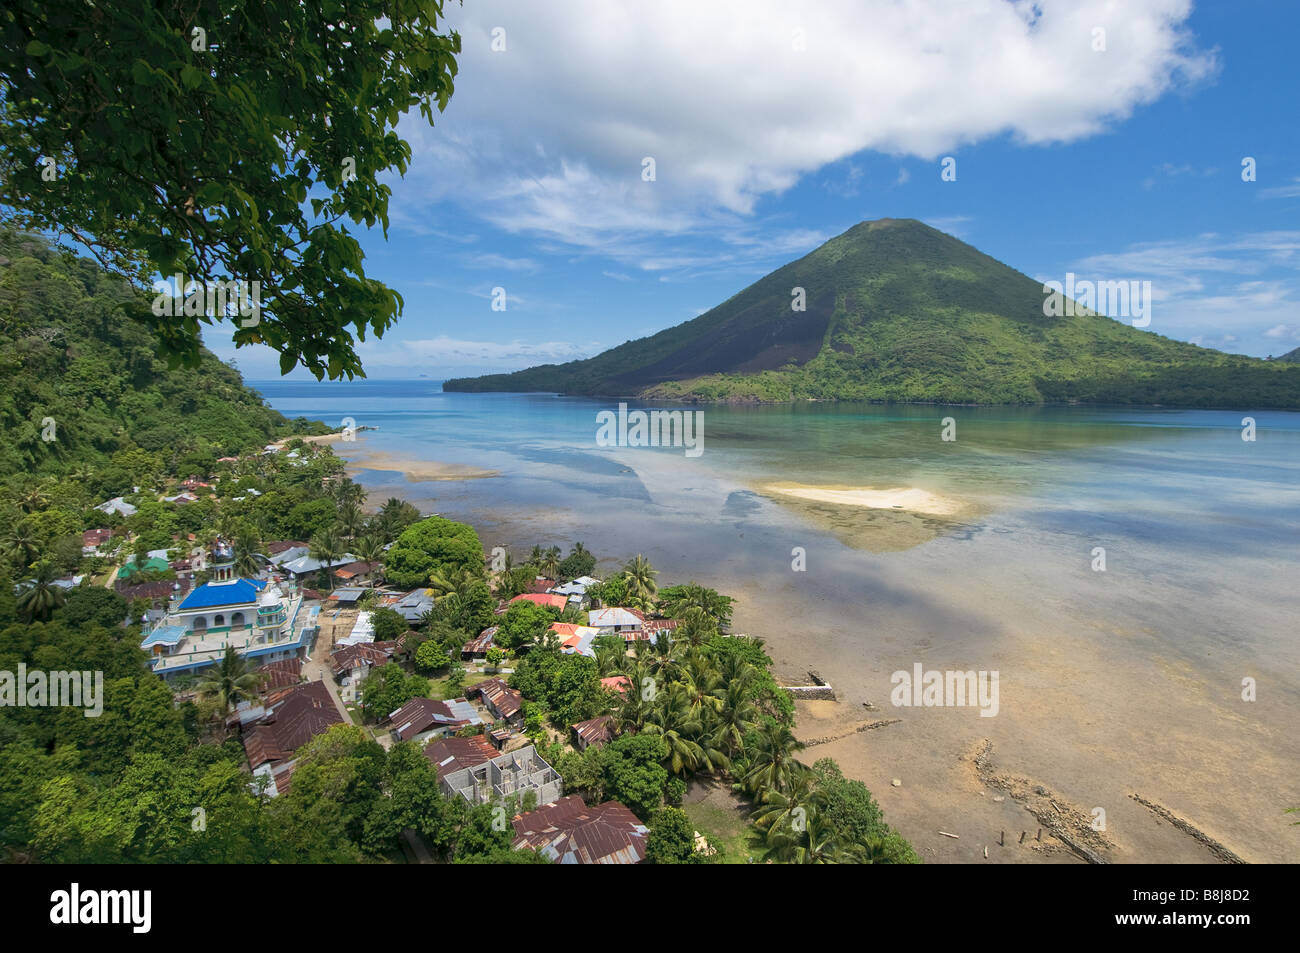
[{"x": 82, "y": 387}]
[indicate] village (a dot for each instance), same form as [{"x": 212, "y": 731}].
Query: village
[
  {"x": 310, "y": 654},
  {"x": 568, "y": 711}
]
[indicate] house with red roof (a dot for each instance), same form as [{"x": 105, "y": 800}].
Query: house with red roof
[{"x": 548, "y": 599}]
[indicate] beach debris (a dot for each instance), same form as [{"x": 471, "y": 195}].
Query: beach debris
[
  {"x": 895, "y": 782},
  {"x": 1216, "y": 848},
  {"x": 953, "y": 836},
  {"x": 869, "y": 707},
  {"x": 1071, "y": 826},
  {"x": 986, "y": 851},
  {"x": 999, "y": 798},
  {"x": 866, "y": 726}
]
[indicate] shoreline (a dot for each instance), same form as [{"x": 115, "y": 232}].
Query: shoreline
[
  {"x": 416, "y": 471},
  {"x": 1070, "y": 674},
  {"x": 907, "y": 499}
]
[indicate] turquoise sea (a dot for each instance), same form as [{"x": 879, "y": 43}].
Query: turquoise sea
[{"x": 1113, "y": 680}]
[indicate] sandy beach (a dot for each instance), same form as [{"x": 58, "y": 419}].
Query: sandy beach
[
  {"x": 353, "y": 448},
  {"x": 909, "y": 499}
]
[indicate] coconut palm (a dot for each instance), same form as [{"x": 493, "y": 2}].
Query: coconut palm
[
  {"x": 818, "y": 842},
  {"x": 326, "y": 547},
  {"x": 550, "y": 564},
  {"x": 611, "y": 655},
  {"x": 672, "y": 720},
  {"x": 678, "y": 600},
  {"x": 783, "y": 815},
  {"x": 772, "y": 765},
  {"x": 351, "y": 519},
  {"x": 446, "y": 584},
  {"x": 247, "y": 549},
  {"x": 348, "y": 493},
  {"x": 41, "y": 597},
  {"x": 736, "y": 716},
  {"x": 21, "y": 544},
  {"x": 661, "y": 655},
  {"x": 703, "y": 685},
  {"x": 641, "y": 586},
  {"x": 696, "y": 626},
  {"x": 34, "y": 499},
  {"x": 230, "y": 682},
  {"x": 638, "y": 702},
  {"x": 370, "y": 548}
]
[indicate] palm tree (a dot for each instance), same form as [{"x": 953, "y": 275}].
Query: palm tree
[
  {"x": 611, "y": 655},
  {"x": 457, "y": 583},
  {"x": 348, "y": 493},
  {"x": 550, "y": 564},
  {"x": 395, "y": 515},
  {"x": 351, "y": 519},
  {"x": 230, "y": 682},
  {"x": 371, "y": 549},
  {"x": 703, "y": 686},
  {"x": 21, "y": 545},
  {"x": 662, "y": 656},
  {"x": 696, "y": 627},
  {"x": 736, "y": 716},
  {"x": 41, "y": 597},
  {"x": 638, "y": 702},
  {"x": 773, "y": 764},
  {"x": 34, "y": 499},
  {"x": 815, "y": 841},
  {"x": 673, "y": 721},
  {"x": 327, "y": 548},
  {"x": 641, "y": 582},
  {"x": 247, "y": 547},
  {"x": 681, "y": 599},
  {"x": 783, "y": 815}
]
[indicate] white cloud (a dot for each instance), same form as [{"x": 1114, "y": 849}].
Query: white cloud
[
  {"x": 1290, "y": 191},
  {"x": 491, "y": 260},
  {"x": 548, "y": 137},
  {"x": 442, "y": 352},
  {"x": 1237, "y": 292}
]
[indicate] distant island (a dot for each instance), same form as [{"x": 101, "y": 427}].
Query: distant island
[{"x": 894, "y": 310}]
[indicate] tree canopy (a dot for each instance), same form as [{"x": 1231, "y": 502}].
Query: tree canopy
[{"x": 223, "y": 141}]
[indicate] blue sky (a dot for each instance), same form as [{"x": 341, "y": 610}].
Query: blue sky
[{"x": 776, "y": 126}]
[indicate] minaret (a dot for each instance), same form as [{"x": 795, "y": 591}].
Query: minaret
[{"x": 223, "y": 562}]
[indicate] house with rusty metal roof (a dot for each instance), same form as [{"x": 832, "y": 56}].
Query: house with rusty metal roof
[
  {"x": 595, "y": 731},
  {"x": 284, "y": 673},
  {"x": 455, "y": 754},
  {"x": 570, "y": 832},
  {"x": 423, "y": 718},
  {"x": 352, "y": 663},
  {"x": 500, "y": 699},
  {"x": 477, "y": 647},
  {"x": 293, "y": 717}
]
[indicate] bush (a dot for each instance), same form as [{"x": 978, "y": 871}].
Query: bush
[
  {"x": 672, "y": 838},
  {"x": 389, "y": 624}
]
